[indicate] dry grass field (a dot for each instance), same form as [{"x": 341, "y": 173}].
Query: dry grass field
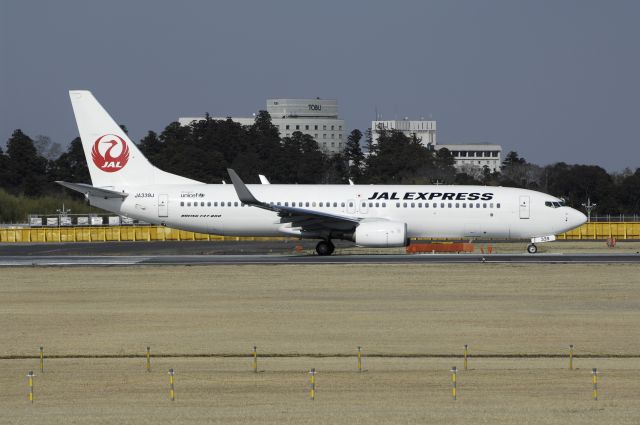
[{"x": 390, "y": 310}]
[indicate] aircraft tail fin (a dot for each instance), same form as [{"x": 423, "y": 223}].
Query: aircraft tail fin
[{"x": 113, "y": 159}]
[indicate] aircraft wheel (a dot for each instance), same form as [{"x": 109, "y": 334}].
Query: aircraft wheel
[
  {"x": 532, "y": 249},
  {"x": 324, "y": 248}
]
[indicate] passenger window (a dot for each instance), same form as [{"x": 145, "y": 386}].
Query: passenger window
[
  {"x": 457, "y": 205},
  {"x": 397, "y": 204},
  {"x": 491, "y": 205},
  {"x": 286, "y": 204},
  {"x": 342, "y": 204},
  {"x": 384, "y": 205},
  {"x": 182, "y": 204},
  {"x": 278, "y": 203},
  {"x": 464, "y": 205},
  {"x": 449, "y": 205},
  {"x": 235, "y": 204},
  {"x": 470, "y": 205},
  {"x": 377, "y": 204},
  {"x": 202, "y": 204},
  {"x": 313, "y": 204},
  {"x": 188, "y": 204},
  {"x": 320, "y": 205},
  {"x": 478, "y": 205},
  {"x": 435, "y": 205},
  {"x": 413, "y": 205},
  {"x": 498, "y": 205},
  {"x": 228, "y": 204},
  {"x": 404, "y": 205},
  {"x": 370, "y": 204},
  {"x": 426, "y": 205},
  {"x": 441, "y": 204},
  {"x": 351, "y": 204},
  {"x": 208, "y": 204},
  {"x": 484, "y": 205},
  {"x": 335, "y": 205}
]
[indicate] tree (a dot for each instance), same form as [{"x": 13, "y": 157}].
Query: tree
[
  {"x": 512, "y": 158},
  {"x": 517, "y": 172},
  {"x": 3, "y": 169},
  {"x": 629, "y": 193},
  {"x": 46, "y": 148},
  {"x": 576, "y": 183},
  {"x": 398, "y": 159},
  {"x": 151, "y": 146},
  {"x": 264, "y": 139},
  {"x": 353, "y": 154},
  {"x": 71, "y": 166},
  {"x": 303, "y": 158},
  {"x": 26, "y": 170}
]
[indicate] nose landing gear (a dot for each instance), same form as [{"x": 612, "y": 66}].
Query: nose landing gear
[
  {"x": 325, "y": 248},
  {"x": 532, "y": 248}
]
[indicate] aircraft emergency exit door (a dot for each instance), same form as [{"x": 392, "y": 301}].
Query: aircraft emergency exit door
[{"x": 524, "y": 207}]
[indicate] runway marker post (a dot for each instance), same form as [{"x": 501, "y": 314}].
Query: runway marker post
[
  {"x": 41, "y": 359},
  {"x": 30, "y": 375},
  {"x": 466, "y": 354},
  {"x": 312, "y": 393},
  {"x": 571, "y": 357},
  {"x": 172, "y": 391},
  {"x": 255, "y": 359},
  {"x": 148, "y": 358},
  {"x": 594, "y": 379},
  {"x": 454, "y": 382},
  {"x": 359, "y": 359}
]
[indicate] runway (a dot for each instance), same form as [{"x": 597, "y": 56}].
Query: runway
[{"x": 192, "y": 260}]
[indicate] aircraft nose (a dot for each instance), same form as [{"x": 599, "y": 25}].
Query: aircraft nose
[{"x": 577, "y": 218}]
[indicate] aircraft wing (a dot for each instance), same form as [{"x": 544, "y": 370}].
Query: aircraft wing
[
  {"x": 309, "y": 220},
  {"x": 87, "y": 189}
]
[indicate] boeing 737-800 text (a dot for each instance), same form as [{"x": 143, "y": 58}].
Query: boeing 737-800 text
[{"x": 126, "y": 183}]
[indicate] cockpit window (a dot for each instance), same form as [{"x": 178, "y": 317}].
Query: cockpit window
[{"x": 554, "y": 204}]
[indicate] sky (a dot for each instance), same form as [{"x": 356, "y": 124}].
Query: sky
[{"x": 553, "y": 80}]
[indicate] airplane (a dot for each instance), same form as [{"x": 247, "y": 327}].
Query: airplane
[{"x": 126, "y": 183}]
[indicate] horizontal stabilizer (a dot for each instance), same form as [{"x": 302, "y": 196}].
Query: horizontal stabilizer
[{"x": 87, "y": 189}]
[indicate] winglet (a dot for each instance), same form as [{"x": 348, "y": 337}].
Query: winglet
[{"x": 244, "y": 195}]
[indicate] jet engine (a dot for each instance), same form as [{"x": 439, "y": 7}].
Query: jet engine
[{"x": 381, "y": 234}]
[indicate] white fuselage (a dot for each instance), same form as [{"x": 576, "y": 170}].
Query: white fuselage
[{"x": 429, "y": 211}]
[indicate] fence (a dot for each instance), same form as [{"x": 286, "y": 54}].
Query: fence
[
  {"x": 588, "y": 231},
  {"x": 111, "y": 234}
]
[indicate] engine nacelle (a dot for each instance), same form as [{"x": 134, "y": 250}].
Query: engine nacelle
[{"x": 381, "y": 234}]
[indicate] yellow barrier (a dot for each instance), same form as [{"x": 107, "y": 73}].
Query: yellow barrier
[
  {"x": 603, "y": 230},
  {"x": 588, "y": 231},
  {"x": 112, "y": 233}
]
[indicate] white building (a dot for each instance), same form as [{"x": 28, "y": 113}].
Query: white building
[
  {"x": 424, "y": 130},
  {"x": 475, "y": 156},
  {"x": 315, "y": 117}
]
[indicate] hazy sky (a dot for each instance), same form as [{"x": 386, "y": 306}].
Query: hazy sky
[{"x": 554, "y": 80}]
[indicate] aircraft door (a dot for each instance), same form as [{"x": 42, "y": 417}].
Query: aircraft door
[
  {"x": 163, "y": 205},
  {"x": 351, "y": 206},
  {"x": 524, "y": 207}
]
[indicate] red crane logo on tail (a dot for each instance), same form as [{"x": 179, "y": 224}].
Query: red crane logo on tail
[{"x": 110, "y": 153}]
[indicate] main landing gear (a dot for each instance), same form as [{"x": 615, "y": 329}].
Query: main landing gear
[
  {"x": 532, "y": 248},
  {"x": 325, "y": 248}
]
